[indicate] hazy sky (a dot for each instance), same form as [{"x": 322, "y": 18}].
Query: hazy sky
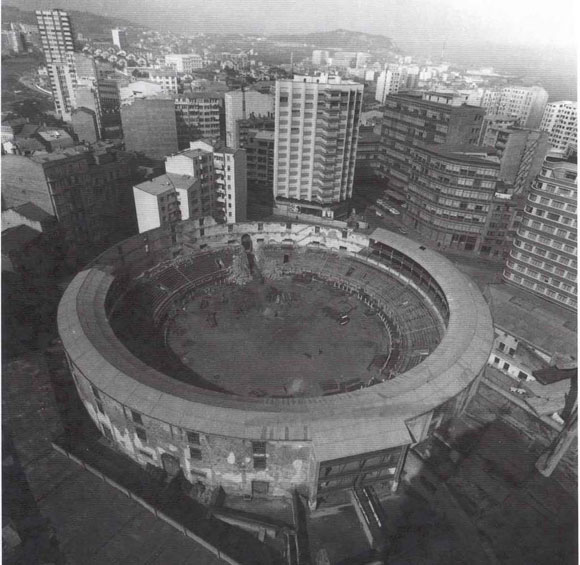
[{"x": 547, "y": 23}]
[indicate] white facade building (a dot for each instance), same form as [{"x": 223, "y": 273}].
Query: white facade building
[
  {"x": 184, "y": 62},
  {"x": 317, "y": 123},
  {"x": 57, "y": 43},
  {"x": 120, "y": 38},
  {"x": 167, "y": 80},
  {"x": 560, "y": 120},
  {"x": 526, "y": 103},
  {"x": 390, "y": 81}
]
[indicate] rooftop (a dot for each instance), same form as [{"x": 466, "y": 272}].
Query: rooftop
[
  {"x": 14, "y": 239},
  {"x": 464, "y": 152},
  {"x": 533, "y": 319},
  {"x": 166, "y": 183},
  {"x": 54, "y": 135},
  {"x": 33, "y": 212}
]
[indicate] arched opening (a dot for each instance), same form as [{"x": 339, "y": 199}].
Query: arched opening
[
  {"x": 247, "y": 243},
  {"x": 170, "y": 464}
]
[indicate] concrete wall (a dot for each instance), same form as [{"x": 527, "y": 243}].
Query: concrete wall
[
  {"x": 240, "y": 195},
  {"x": 147, "y": 209},
  {"x": 255, "y": 103},
  {"x": 150, "y": 127},
  {"x": 224, "y": 461}
]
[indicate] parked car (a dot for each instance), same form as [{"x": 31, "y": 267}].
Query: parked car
[
  {"x": 393, "y": 211},
  {"x": 403, "y": 230},
  {"x": 379, "y": 214}
]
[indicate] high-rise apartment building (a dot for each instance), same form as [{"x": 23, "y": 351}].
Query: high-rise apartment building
[
  {"x": 390, "y": 81},
  {"x": 521, "y": 151},
  {"x": 110, "y": 109},
  {"x": 450, "y": 193},
  {"x": 120, "y": 38},
  {"x": 242, "y": 105},
  {"x": 317, "y": 122},
  {"x": 410, "y": 119},
  {"x": 199, "y": 115},
  {"x": 526, "y": 103},
  {"x": 149, "y": 126},
  {"x": 56, "y": 37},
  {"x": 560, "y": 120},
  {"x": 543, "y": 259},
  {"x": 259, "y": 146}
]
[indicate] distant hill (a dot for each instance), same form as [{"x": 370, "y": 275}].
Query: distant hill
[
  {"x": 90, "y": 25},
  {"x": 341, "y": 39}
]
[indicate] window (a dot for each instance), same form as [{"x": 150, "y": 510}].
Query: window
[
  {"x": 496, "y": 360},
  {"x": 506, "y": 366},
  {"x": 136, "y": 417},
  {"x": 141, "y": 434},
  {"x": 259, "y": 453},
  {"x": 193, "y": 438},
  {"x": 195, "y": 453},
  {"x": 501, "y": 346}
]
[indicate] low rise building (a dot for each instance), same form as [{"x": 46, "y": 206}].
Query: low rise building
[
  {"x": 184, "y": 62},
  {"x": 30, "y": 215},
  {"x": 55, "y": 139},
  {"x": 166, "y": 79},
  {"x": 535, "y": 351}
]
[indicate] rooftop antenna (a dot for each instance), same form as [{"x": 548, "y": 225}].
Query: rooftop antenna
[{"x": 443, "y": 50}]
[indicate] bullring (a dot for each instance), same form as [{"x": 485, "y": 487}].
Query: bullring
[{"x": 149, "y": 329}]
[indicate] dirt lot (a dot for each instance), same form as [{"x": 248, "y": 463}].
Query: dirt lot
[{"x": 277, "y": 339}]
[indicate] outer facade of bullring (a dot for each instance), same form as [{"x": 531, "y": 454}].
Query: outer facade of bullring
[{"x": 272, "y": 445}]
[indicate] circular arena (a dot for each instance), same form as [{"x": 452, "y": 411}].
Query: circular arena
[{"x": 270, "y": 357}]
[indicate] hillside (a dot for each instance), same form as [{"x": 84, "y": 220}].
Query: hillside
[
  {"x": 341, "y": 39},
  {"x": 90, "y": 25}
]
